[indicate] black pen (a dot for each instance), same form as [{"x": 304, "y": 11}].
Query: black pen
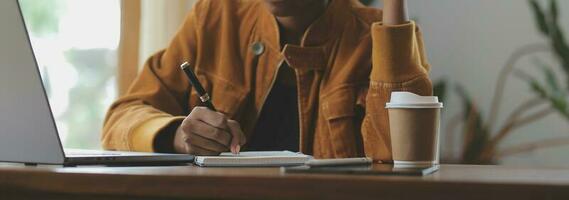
[{"x": 204, "y": 97}]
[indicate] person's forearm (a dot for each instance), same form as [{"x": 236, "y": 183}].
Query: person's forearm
[{"x": 394, "y": 12}]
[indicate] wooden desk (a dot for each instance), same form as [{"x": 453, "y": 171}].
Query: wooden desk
[{"x": 184, "y": 182}]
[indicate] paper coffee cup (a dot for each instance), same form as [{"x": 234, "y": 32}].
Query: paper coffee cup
[{"x": 414, "y": 126}]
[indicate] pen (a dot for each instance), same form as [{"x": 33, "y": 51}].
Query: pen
[{"x": 204, "y": 96}]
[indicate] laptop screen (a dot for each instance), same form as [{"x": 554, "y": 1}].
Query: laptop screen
[{"x": 27, "y": 129}]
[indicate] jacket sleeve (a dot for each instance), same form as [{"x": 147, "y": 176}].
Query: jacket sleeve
[
  {"x": 398, "y": 64},
  {"x": 157, "y": 99}
]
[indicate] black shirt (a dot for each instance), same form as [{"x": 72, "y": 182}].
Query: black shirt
[{"x": 277, "y": 127}]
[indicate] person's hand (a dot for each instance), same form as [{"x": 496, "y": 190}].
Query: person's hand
[
  {"x": 206, "y": 132},
  {"x": 394, "y": 12}
]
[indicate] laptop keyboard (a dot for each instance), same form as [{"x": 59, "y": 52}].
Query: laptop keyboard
[{"x": 90, "y": 153}]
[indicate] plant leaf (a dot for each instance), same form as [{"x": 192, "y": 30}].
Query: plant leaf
[
  {"x": 560, "y": 46},
  {"x": 439, "y": 89},
  {"x": 553, "y": 11},
  {"x": 549, "y": 27},
  {"x": 560, "y": 104},
  {"x": 539, "y": 17},
  {"x": 555, "y": 94},
  {"x": 557, "y": 98},
  {"x": 550, "y": 77},
  {"x": 557, "y": 37},
  {"x": 476, "y": 136},
  {"x": 538, "y": 88}
]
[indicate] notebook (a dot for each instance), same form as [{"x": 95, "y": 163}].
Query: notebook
[{"x": 253, "y": 159}]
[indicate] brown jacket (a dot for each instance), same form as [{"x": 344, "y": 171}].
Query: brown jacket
[{"x": 346, "y": 67}]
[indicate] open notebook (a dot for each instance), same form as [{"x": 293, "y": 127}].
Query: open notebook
[{"x": 253, "y": 158}]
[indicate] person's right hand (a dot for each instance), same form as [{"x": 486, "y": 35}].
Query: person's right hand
[{"x": 206, "y": 132}]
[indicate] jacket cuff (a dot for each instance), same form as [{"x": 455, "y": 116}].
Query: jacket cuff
[
  {"x": 396, "y": 52},
  {"x": 143, "y": 136}
]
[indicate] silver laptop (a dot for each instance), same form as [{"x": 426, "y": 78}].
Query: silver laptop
[{"x": 28, "y": 133}]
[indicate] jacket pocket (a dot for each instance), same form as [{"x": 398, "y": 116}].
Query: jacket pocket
[
  {"x": 343, "y": 123},
  {"x": 225, "y": 96}
]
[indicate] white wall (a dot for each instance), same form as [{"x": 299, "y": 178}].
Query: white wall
[{"x": 468, "y": 41}]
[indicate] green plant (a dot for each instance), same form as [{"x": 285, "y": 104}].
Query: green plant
[
  {"x": 481, "y": 137},
  {"x": 39, "y": 20}
]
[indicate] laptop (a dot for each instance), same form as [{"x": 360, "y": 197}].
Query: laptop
[{"x": 28, "y": 133}]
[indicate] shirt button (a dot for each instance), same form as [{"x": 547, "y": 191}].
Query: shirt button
[{"x": 258, "y": 48}]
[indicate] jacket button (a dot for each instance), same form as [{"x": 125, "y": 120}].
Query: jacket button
[{"x": 258, "y": 48}]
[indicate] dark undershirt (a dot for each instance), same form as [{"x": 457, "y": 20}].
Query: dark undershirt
[{"x": 277, "y": 127}]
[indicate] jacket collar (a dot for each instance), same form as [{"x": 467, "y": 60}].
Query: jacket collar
[
  {"x": 313, "y": 50},
  {"x": 330, "y": 24}
]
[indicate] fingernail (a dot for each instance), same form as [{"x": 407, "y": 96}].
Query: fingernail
[
  {"x": 238, "y": 148},
  {"x": 233, "y": 149}
]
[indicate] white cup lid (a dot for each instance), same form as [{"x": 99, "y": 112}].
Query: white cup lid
[{"x": 411, "y": 100}]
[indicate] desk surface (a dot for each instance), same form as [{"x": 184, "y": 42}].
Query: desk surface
[{"x": 451, "y": 182}]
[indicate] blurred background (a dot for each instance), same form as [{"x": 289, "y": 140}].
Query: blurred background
[{"x": 501, "y": 67}]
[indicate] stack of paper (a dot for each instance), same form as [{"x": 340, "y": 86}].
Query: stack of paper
[{"x": 252, "y": 159}]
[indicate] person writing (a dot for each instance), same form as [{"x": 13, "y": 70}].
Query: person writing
[{"x": 301, "y": 75}]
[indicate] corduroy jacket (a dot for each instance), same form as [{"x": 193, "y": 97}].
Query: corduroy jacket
[{"x": 346, "y": 66}]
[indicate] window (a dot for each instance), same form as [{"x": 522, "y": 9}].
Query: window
[{"x": 75, "y": 43}]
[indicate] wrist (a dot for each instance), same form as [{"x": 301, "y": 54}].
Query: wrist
[
  {"x": 179, "y": 141},
  {"x": 164, "y": 141},
  {"x": 394, "y": 12}
]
